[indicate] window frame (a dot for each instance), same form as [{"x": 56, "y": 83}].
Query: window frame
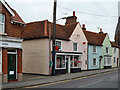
[
  {"x": 106, "y": 50},
  {"x": 95, "y": 48},
  {"x": 93, "y": 62},
  {"x": 3, "y": 31},
  {"x": 56, "y": 62},
  {"x": 60, "y": 44},
  {"x": 73, "y": 46}
]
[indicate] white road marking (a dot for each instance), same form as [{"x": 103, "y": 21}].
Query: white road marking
[
  {"x": 90, "y": 83},
  {"x": 113, "y": 77}
]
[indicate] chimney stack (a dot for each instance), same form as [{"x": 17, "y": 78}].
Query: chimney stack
[
  {"x": 45, "y": 27},
  {"x": 83, "y": 27},
  {"x": 73, "y": 13},
  {"x": 100, "y": 31},
  {"x": 71, "y": 19}
]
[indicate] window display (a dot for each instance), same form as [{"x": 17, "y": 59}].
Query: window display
[{"x": 60, "y": 61}]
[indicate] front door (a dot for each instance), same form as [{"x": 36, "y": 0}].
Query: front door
[
  {"x": 11, "y": 67},
  {"x": 117, "y": 62},
  {"x": 67, "y": 64}
]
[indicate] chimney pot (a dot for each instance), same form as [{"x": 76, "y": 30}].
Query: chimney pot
[
  {"x": 73, "y": 13},
  {"x": 100, "y": 31},
  {"x": 83, "y": 27}
]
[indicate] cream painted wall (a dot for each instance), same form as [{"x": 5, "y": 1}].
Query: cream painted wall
[
  {"x": 116, "y": 55},
  {"x": 36, "y": 56},
  {"x": 79, "y": 37}
]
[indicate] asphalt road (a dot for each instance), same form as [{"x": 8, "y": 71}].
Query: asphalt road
[{"x": 103, "y": 80}]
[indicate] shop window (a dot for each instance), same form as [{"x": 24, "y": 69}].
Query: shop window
[
  {"x": 94, "y": 49},
  {"x": 2, "y": 23},
  {"x": 94, "y": 62},
  {"x": 75, "y": 61},
  {"x": 74, "y": 46},
  {"x": 58, "y": 43},
  {"x": 60, "y": 61},
  {"x": 72, "y": 61}
]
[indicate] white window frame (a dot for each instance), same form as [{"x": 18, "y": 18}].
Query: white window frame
[
  {"x": 106, "y": 50},
  {"x": 96, "y": 61},
  {"x": 95, "y": 48},
  {"x": 106, "y": 61},
  {"x": 61, "y": 43},
  {"x": 3, "y": 24},
  {"x": 115, "y": 49},
  {"x": 73, "y": 47},
  {"x": 56, "y": 62},
  {"x": 73, "y": 61}
]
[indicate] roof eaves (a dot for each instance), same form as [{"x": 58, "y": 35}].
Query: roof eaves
[{"x": 6, "y": 5}]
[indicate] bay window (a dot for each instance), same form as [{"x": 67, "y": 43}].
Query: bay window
[
  {"x": 2, "y": 23},
  {"x": 107, "y": 61}
]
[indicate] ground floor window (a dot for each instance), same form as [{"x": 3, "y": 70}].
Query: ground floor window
[
  {"x": 60, "y": 61},
  {"x": 75, "y": 61},
  {"x": 94, "y": 62},
  {"x": 107, "y": 61}
]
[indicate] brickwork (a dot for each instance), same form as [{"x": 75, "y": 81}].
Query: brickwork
[
  {"x": 19, "y": 57},
  {"x": 4, "y": 61},
  {"x": 12, "y": 30}
]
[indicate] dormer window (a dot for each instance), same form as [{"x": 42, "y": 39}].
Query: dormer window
[{"x": 2, "y": 23}]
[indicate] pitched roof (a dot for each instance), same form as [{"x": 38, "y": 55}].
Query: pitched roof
[
  {"x": 118, "y": 27},
  {"x": 15, "y": 17},
  {"x": 94, "y": 38},
  {"x": 37, "y": 29},
  {"x": 114, "y": 45}
]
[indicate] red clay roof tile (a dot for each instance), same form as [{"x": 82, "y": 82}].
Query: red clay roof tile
[
  {"x": 94, "y": 38},
  {"x": 35, "y": 30}
]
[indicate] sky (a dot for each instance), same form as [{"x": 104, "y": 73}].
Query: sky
[{"x": 94, "y": 14}]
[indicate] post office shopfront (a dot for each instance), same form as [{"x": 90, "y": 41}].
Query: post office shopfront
[
  {"x": 10, "y": 59},
  {"x": 67, "y": 63}
]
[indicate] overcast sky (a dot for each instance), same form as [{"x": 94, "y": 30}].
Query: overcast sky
[{"x": 93, "y": 13}]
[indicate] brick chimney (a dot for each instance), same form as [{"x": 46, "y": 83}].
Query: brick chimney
[
  {"x": 71, "y": 19},
  {"x": 45, "y": 27},
  {"x": 100, "y": 31},
  {"x": 83, "y": 27}
]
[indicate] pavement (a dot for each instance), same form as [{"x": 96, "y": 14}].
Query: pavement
[{"x": 50, "y": 79}]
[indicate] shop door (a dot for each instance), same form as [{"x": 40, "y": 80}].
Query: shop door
[
  {"x": 67, "y": 64},
  {"x": 11, "y": 67},
  {"x": 117, "y": 62}
]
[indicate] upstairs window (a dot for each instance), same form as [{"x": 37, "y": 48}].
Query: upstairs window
[
  {"x": 2, "y": 23},
  {"x": 94, "y": 49},
  {"x": 75, "y": 47},
  {"x": 58, "y": 43},
  {"x": 114, "y": 50},
  {"x": 107, "y": 50}
]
